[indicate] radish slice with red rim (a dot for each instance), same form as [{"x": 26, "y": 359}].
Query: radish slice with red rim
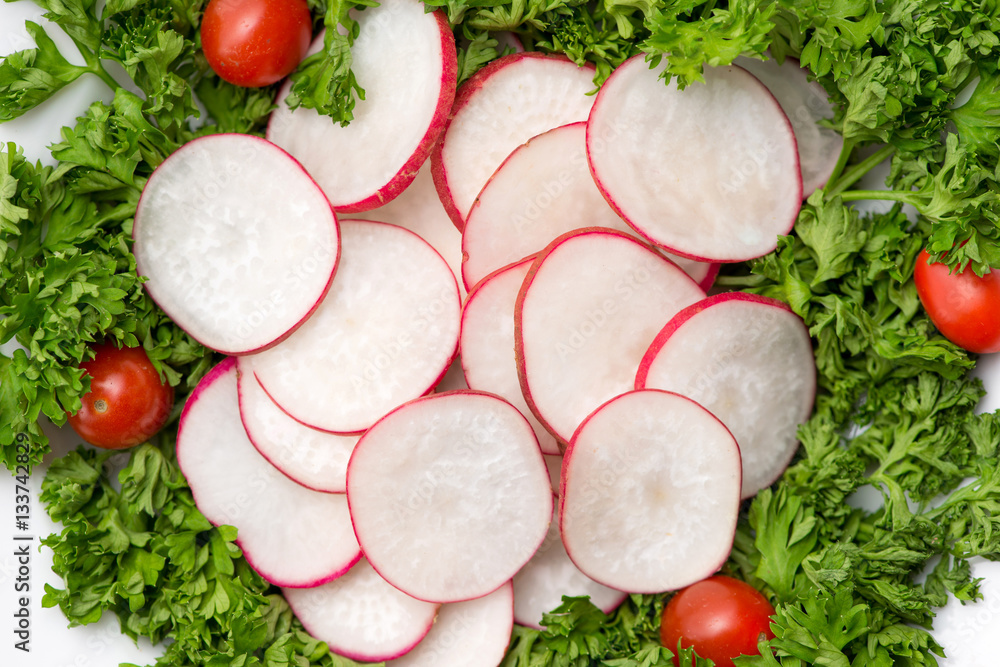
[
  {"x": 504, "y": 104},
  {"x": 542, "y": 190},
  {"x": 362, "y": 617},
  {"x": 291, "y": 535},
  {"x": 805, "y": 103},
  {"x": 238, "y": 245},
  {"x": 313, "y": 458},
  {"x": 474, "y": 633},
  {"x": 591, "y": 304},
  {"x": 385, "y": 334},
  {"x": 749, "y": 360},
  {"x": 405, "y": 60},
  {"x": 419, "y": 210},
  {"x": 650, "y": 493},
  {"x": 487, "y": 344},
  {"x": 449, "y": 495},
  {"x": 550, "y": 574},
  {"x": 710, "y": 172}
]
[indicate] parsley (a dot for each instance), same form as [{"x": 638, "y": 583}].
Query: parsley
[
  {"x": 146, "y": 553},
  {"x": 324, "y": 80},
  {"x": 67, "y": 274}
]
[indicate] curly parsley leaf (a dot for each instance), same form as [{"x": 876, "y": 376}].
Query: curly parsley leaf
[
  {"x": 31, "y": 76},
  {"x": 692, "y": 35},
  {"x": 146, "y": 553},
  {"x": 577, "y": 633},
  {"x": 324, "y": 81}
]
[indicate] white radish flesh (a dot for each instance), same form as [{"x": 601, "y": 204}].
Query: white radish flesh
[
  {"x": 384, "y": 334},
  {"x": 749, "y": 360},
  {"x": 405, "y": 60},
  {"x": 650, "y": 493},
  {"x": 710, "y": 172},
  {"x": 550, "y": 574},
  {"x": 592, "y": 303},
  {"x": 313, "y": 458},
  {"x": 543, "y": 189},
  {"x": 419, "y": 210},
  {"x": 449, "y": 495},
  {"x": 503, "y": 105},
  {"x": 487, "y": 344},
  {"x": 236, "y": 241},
  {"x": 291, "y": 535},
  {"x": 362, "y": 617},
  {"x": 805, "y": 103},
  {"x": 474, "y": 633}
]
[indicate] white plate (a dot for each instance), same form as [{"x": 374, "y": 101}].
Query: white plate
[{"x": 968, "y": 632}]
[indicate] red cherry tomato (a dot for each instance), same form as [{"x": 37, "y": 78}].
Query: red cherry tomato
[
  {"x": 720, "y": 617},
  {"x": 964, "y": 307},
  {"x": 127, "y": 403},
  {"x": 255, "y": 43}
]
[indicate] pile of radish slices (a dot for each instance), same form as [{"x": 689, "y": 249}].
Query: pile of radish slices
[{"x": 563, "y": 243}]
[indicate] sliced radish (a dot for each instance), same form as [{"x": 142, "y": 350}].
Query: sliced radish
[
  {"x": 587, "y": 311},
  {"x": 449, "y": 495},
  {"x": 405, "y": 60},
  {"x": 543, "y": 189},
  {"x": 503, "y": 105},
  {"x": 419, "y": 210},
  {"x": 805, "y": 103},
  {"x": 291, "y": 535},
  {"x": 710, "y": 172},
  {"x": 474, "y": 633},
  {"x": 550, "y": 574},
  {"x": 384, "y": 334},
  {"x": 362, "y": 617},
  {"x": 749, "y": 360},
  {"x": 313, "y": 458},
  {"x": 487, "y": 344},
  {"x": 237, "y": 243},
  {"x": 650, "y": 493}
]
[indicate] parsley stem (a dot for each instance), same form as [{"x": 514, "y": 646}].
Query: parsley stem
[
  {"x": 103, "y": 75},
  {"x": 887, "y": 195},
  {"x": 95, "y": 67},
  {"x": 752, "y": 280},
  {"x": 852, "y": 175},
  {"x": 845, "y": 155}
]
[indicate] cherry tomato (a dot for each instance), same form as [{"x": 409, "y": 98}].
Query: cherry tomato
[
  {"x": 964, "y": 307},
  {"x": 255, "y": 43},
  {"x": 127, "y": 403},
  {"x": 720, "y": 617}
]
